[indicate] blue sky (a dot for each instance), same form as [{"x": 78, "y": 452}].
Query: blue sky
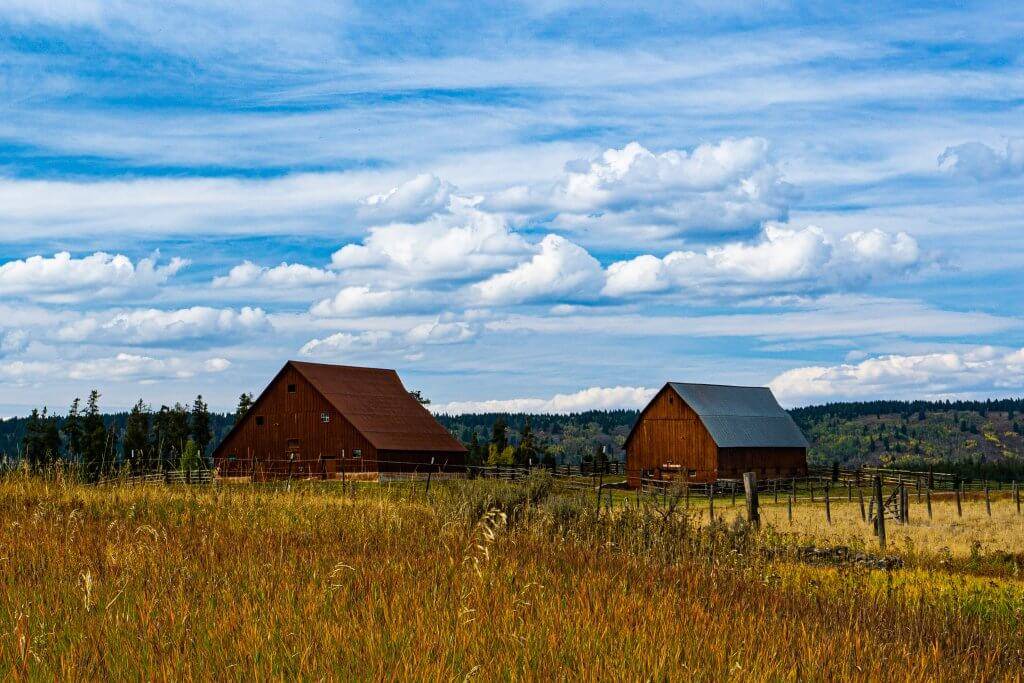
[{"x": 543, "y": 206}]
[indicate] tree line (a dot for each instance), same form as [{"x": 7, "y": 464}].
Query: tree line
[{"x": 176, "y": 437}]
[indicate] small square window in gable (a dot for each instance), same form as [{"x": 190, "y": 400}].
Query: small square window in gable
[
  {"x": 291, "y": 389},
  {"x": 259, "y": 420}
]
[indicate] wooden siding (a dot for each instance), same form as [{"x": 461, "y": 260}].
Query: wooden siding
[
  {"x": 323, "y": 449},
  {"x": 768, "y": 463},
  {"x": 670, "y": 441}
]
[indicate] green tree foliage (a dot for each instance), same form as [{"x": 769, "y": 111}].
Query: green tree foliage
[
  {"x": 137, "y": 442},
  {"x": 41, "y": 443},
  {"x": 199, "y": 425},
  {"x": 94, "y": 438},
  {"x": 170, "y": 433},
  {"x": 244, "y": 404},
  {"x": 499, "y": 435},
  {"x": 526, "y": 452},
  {"x": 191, "y": 457},
  {"x": 73, "y": 430},
  {"x": 500, "y": 457},
  {"x": 476, "y": 454},
  {"x": 418, "y": 395}
]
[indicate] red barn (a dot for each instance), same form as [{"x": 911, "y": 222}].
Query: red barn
[
  {"x": 317, "y": 420},
  {"x": 703, "y": 432}
]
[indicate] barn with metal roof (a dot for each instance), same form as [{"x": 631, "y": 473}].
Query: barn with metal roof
[
  {"x": 703, "y": 432},
  {"x": 328, "y": 421}
]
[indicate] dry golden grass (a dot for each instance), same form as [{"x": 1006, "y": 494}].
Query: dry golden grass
[{"x": 239, "y": 583}]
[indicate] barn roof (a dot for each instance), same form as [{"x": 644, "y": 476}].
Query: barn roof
[
  {"x": 377, "y": 404},
  {"x": 740, "y": 417}
]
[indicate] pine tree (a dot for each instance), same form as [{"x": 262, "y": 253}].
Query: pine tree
[
  {"x": 476, "y": 456},
  {"x": 199, "y": 426},
  {"x": 50, "y": 438},
  {"x": 526, "y": 453},
  {"x": 499, "y": 435},
  {"x": 136, "y": 437},
  {"x": 244, "y": 404},
  {"x": 94, "y": 438},
  {"x": 73, "y": 430},
  {"x": 32, "y": 443}
]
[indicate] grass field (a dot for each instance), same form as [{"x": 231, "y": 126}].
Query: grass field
[{"x": 485, "y": 581}]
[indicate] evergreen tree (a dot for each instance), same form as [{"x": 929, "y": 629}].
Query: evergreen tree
[
  {"x": 499, "y": 434},
  {"x": 418, "y": 395},
  {"x": 244, "y": 404},
  {"x": 526, "y": 453},
  {"x": 191, "y": 457},
  {"x": 94, "y": 438},
  {"x": 32, "y": 442},
  {"x": 475, "y": 455},
  {"x": 73, "y": 430},
  {"x": 199, "y": 426},
  {"x": 136, "y": 437},
  {"x": 170, "y": 433}
]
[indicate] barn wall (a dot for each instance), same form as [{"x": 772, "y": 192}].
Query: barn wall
[
  {"x": 670, "y": 435},
  {"x": 768, "y": 463},
  {"x": 262, "y": 451}
]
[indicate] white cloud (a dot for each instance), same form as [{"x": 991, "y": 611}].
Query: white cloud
[
  {"x": 412, "y": 201},
  {"x": 66, "y": 279},
  {"x": 283, "y": 276},
  {"x": 630, "y": 191},
  {"x": 363, "y": 300},
  {"x": 346, "y": 342},
  {"x": 561, "y": 270},
  {"x": 594, "y": 398},
  {"x": 459, "y": 244},
  {"x": 982, "y": 370},
  {"x": 786, "y": 259},
  {"x": 438, "y": 332},
  {"x": 981, "y": 162},
  {"x": 120, "y": 368},
  {"x": 146, "y": 326},
  {"x": 14, "y": 341}
]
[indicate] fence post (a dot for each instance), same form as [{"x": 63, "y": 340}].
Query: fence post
[
  {"x": 711, "y": 501},
  {"x": 828, "y": 505},
  {"x": 732, "y": 486},
  {"x": 928, "y": 500},
  {"x": 600, "y": 484},
  {"x": 906, "y": 505},
  {"x": 750, "y": 491},
  {"x": 775, "y": 489},
  {"x": 789, "y": 504},
  {"x": 426, "y": 493},
  {"x": 860, "y": 497},
  {"x": 959, "y": 486},
  {"x": 880, "y": 514},
  {"x": 988, "y": 502},
  {"x": 1016, "y": 495},
  {"x": 849, "y": 492}
]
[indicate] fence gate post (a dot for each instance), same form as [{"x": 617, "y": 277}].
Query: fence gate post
[
  {"x": 750, "y": 490},
  {"x": 988, "y": 502},
  {"x": 880, "y": 511},
  {"x": 828, "y": 506},
  {"x": 928, "y": 500}
]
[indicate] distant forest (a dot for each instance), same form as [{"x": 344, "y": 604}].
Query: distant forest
[{"x": 974, "y": 438}]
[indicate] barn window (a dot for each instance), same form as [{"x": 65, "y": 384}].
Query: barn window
[
  {"x": 671, "y": 400},
  {"x": 691, "y": 473},
  {"x": 357, "y": 452},
  {"x": 293, "y": 444},
  {"x": 325, "y": 417},
  {"x": 259, "y": 420},
  {"x": 291, "y": 388}
]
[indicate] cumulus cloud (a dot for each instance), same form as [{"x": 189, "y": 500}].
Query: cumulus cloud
[
  {"x": 363, "y": 300},
  {"x": 979, "y": 370},
  {"x": 725, "y": 186},
  {"x": 122, "y": 367},
  {"x": 785, "y": 258},
  {"x": 283, "y": 276},
  {"x": 346, "y": 342},
  {"x": 560, "y": 270},
  {"x": 438, "y": 332},
  {"x": 147, "y": 326},
  {"x": 459, "y": 244},
  {"x": 414, "y": 200},
  {"x": 13, "y": 341},
  {"x": 594, "y": 398},
  {"x": 62, "y": 278},
  {"x": 981, "y": 162}
]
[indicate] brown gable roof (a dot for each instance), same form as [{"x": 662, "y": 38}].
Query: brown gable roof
[{"x": 378, "y": 405}]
